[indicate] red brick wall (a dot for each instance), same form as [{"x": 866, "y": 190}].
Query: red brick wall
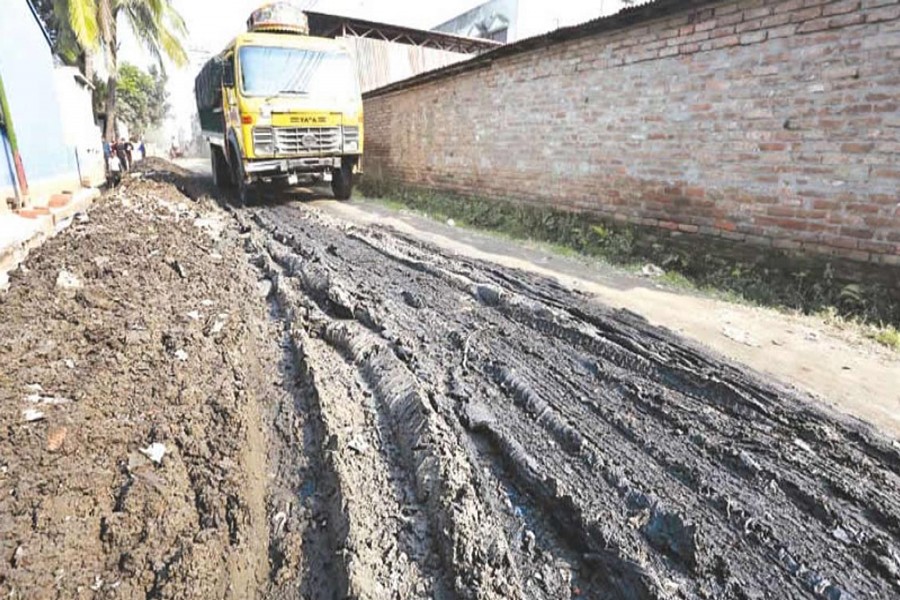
[{"x": 771, "y": 122}]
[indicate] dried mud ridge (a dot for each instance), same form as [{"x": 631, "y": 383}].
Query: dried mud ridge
[
  {"x": 348, "y": 413},
  {"x": 491, "y": 435}
]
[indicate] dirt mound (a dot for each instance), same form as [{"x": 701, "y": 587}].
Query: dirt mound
[{"x": 133, "y": 459}]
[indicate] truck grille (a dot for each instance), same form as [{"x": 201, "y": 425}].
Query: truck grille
[{"x": 300, "y": 140}]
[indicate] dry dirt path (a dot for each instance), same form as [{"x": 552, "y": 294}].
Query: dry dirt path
[{"x": 378, "y": 418}]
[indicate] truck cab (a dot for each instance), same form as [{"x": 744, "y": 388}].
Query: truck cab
[{"x": 279, "y": 106}]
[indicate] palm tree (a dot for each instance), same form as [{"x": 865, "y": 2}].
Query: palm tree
[{"x": 94, "y": 25}]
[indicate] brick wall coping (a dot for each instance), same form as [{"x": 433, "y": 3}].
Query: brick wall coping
[{"x": 627, "y": 17}]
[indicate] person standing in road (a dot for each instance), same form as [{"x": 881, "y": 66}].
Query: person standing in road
[
  {"x": 122, "y": 153},
  {"x": 129, "y": 153}
]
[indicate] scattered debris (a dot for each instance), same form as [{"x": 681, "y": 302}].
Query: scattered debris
[
  {"x": 17, "y": 557},
  {"x": 411, "y": 299},
  {"x": 46, "y": 400},
  {"x": 30, "y": 415},
  {"x": 528, "y": 541},
  {"x": 278, "y": 520},
  {"x": 652, "y": 271},
  {"x": 70, "y": 364},
  {"x": 154, "y": 452},
  {"x": 358, "y": 445},
  {"x": 67, "y": 281},
  {"x": 264, "y": 287},
  {"x": 178, "y": 269},
  {"x": 217, "y": 325},
  {"x": 803, "y": 445},
  {"x": 488, "y": 294},
  {"x": 181, "y": 355},
  {"x": 740, "y": 336},
  {"x": 55, "y": 438},
  {"x": 194, "y": 315}
]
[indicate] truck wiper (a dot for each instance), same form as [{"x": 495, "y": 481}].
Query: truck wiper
[{"x": 285, "y": 92}]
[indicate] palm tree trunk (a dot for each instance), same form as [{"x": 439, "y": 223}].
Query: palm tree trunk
[
  {"x": 89, "y": 66},
  {"x": 111, "y": 107},
  {"x": 113, "y": 67}
]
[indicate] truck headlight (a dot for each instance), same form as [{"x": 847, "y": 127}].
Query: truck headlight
[
  {"x": 263, "y": 140},
  {"x": 351, "y": 138}
]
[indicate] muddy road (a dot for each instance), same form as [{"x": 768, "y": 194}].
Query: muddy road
[{"x": 381, "y": 420}]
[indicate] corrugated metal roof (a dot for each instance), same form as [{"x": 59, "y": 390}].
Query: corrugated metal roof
[
  {"x": 627, "y": 17},
  {"x": 327, "y": 25}
]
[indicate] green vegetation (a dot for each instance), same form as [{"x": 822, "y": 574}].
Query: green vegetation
[
  {"x": 80, "y": 29},
  {"x": 142, "y": 98},
  {"x": 888, "y": 336},
  {"x": 731, "y": 271}
]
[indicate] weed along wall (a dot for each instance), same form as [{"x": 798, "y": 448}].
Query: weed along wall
[{"x": 765, "y": 122}]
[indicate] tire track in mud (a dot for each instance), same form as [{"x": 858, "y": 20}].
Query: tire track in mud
[
  {"x": 650, "y": 469},
  {"x": 478, "y": 559}
]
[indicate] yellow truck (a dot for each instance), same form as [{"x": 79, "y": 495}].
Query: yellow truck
[{"x": 280, "y": 106}]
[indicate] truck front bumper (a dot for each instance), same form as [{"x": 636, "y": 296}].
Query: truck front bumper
[{"x": 287, "y": 166}]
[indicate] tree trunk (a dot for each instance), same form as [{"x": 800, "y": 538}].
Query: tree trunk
[
  {"x": 89, "y": 66},
  {"x": 111, "y": 108},
  {"x": 112, "y": 64}
]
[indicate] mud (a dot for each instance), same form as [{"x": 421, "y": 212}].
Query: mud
[
  {"x": 563, "y": 450},
  {"x": 350, "y": 413}
]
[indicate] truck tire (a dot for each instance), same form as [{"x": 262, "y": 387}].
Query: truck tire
[
  {"x": 342, "y": 181},
  {"x": 241, "y": 183},
  {"x": 220, "y": 173}
]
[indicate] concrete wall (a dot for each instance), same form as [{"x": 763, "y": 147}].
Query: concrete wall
[
  {"x": 768, "y": 122},
  {"x": 26, "y": 66}
]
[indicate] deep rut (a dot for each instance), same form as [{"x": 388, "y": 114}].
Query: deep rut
[{"x": 489, "y": 434}]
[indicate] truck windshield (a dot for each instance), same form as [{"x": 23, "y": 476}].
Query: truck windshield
[{"x": 275, "y": 71}]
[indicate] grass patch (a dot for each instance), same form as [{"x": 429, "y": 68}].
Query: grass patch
[
  {"x": 888, "y": 336},
  {"x": 734, "y": 271}
]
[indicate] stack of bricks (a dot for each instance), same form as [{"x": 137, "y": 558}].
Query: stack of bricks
[{"x": 770, "y": 122}]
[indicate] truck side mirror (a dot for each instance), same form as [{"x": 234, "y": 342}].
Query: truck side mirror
[{"x": 228, "y": 72}]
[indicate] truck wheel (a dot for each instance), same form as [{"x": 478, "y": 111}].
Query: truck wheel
[
  {"x": 220, "y": 173},
  {"x": 240, "y": 182},
  {"x": 342, "y": 181}
]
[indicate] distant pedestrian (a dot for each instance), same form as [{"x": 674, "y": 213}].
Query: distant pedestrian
[
  {"x": 129, "y": 153},
  {"x": 142, "y": 150},
  {"x": 122, "y": 153},
  {"x": 115, "y": 169}
]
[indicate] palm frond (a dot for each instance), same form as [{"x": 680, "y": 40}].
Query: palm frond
[{"x": 82, "y": 20}]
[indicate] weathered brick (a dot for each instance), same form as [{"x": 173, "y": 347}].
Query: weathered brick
[
  {"x": 839, "y": 8},
  {"x": 814, "y": 25},
  {"x": 887, "y": 13},
  {"x": 771, "y": 143},
  {"x": 753, "y": 37}
]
